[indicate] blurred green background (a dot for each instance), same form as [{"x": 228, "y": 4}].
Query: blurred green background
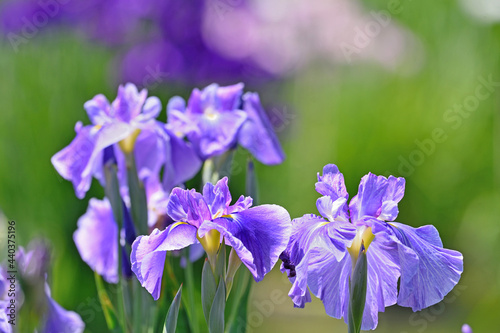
[{"x": 361, "y": 117}]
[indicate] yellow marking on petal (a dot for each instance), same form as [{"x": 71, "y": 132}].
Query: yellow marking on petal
[
  {"x": 365, "y": 236},
  {"x": 323, "y": 223},
  {"x": 127, "y": 144},
  {"x": 211, "y": 114},
  {"x": 176, "y": 224}
]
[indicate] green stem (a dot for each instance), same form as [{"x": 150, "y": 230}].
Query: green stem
[{"x": 191, "y": 309}]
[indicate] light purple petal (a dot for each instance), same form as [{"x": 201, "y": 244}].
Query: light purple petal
[
  {"x": 230, "y": 96},
  {"x": 394, "y": 193},
  {"x": 428, "y": 271},
  {"x": 241, "y": 204},
  {"x": 368, "y": 201},
  {"x": 98, "y": 110},
  {"x": 97, "y": 239},
  {"x": 258, "y": 235},
  {"x": 217, "y": 132},
  {"x": 150, "y": 110},
  {"x": 181, "y": 162},
  {"x": 188, "y": 206},
  {"x": 218, "y": 197},
  {"x": 333, "y": 205},
  {"x": 77, "y": 161},
  {"x": 257, "y": 134},
  {"x": 57, "y": 319},
  {"x": 5, "y": 326},
  {"x": 128, "y": 103},
  {"x": 148, "y": 253}
]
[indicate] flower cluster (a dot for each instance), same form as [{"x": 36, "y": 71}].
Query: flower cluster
[{"x": 323, "y": 249}]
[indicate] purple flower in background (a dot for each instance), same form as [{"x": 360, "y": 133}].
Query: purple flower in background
[
  {"x": 127, "y": 122},
  {"x": 258, "y": 234},
  {"x": 57, "y": 319},
  {"x": 466, "y": 328},
  {"x": 97, "y": 239},
  {"x": 217, "y": 118},
  {"x": 323, "y": 250},
  {"x": 32, "y": 266}
]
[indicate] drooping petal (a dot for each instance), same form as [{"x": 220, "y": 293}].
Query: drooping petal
[
  {"x": 368, "y": 201},
  {"x": 258, "y": 235},
  {"x": 5, "y": 326},
  {"x": 383, "y": 274},
  {"x": 428, "y": 271},
  {"x": 181, "y": 161},
  {"x": 148, "y": 253},
  {"x": 257, "y": 134},
  {"x": 333, "y": 205},
  {"x": 75, "y": 162},
  {"x": 57, "y": 319},
  {"x": 316, "y": 243},
  {"x": 97, "y": 239}
]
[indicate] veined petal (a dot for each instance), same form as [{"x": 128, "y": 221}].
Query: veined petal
[
  {"x": 218, "y": 197},
  {"x": 241, "y": 204},
  {"x": 148, "y": 253},
  {"x": 368, "y": 201},
  {"x": 383, "y": 274},
  {"x": 333, "y": 205},
  {"x": 188, "y": 206},
  {"x": 97, "y": 239},
  {"x": 428, "y": 271},
  {"x": 258, "y": 235},
  {"x": 257, "y": 134}
]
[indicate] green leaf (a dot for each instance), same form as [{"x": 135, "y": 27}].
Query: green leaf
[
  {"x": 238, "y": 302},
  {"x": 216, "y": 320},
  {"x": 173, "y": 313},
  {"x": 107, "y": 307},
  {"x": 112, "y": 191},
  {"x": 208, "y": 289},
  {"x": 357, "y": 287},
  {"x": 138, "y": 201}
]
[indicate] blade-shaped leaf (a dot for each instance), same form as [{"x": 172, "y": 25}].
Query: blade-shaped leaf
[
  {"x": 107, "y": 307},
  {"x": 216, "y": 320},
  {"x": 138, "y": 201},
  {"x": 357, "y": 288},
  {"x": 208, "y": 289},
  {"x": 238, "y": 302},
  {"x": 173, "y": 313},
  {"x": 251, "y": 187}
]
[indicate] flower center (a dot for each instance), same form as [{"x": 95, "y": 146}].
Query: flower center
[
  {"x": 364, "y": 236},
  {"x": 210, "y": 113},
  {"x": 127, "y": 144}
]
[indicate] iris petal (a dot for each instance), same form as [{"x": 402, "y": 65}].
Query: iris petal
[
  {"x": 148, "y": 253},
  {"x": 428, "y": 271},
  {"x": 258, "y": 235}
]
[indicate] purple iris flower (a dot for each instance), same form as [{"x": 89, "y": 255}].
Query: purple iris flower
[
  {"x": 216, "y": 119},
  {"x": 258, "y": 234},
  {"x": 127, "y": 124},
  {"x": 323, "y": 250},
  {"x": 58, "y": 319}
]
